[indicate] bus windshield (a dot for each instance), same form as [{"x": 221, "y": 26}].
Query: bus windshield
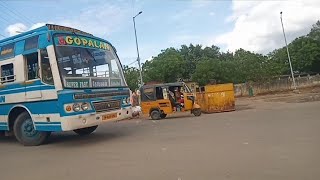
[{"x": 82, "y": 67}]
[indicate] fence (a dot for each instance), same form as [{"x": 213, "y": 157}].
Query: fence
[{"x": 280, "y": 84}]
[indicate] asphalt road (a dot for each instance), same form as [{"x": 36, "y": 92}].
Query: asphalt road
[{"x": 261, "y": 140}]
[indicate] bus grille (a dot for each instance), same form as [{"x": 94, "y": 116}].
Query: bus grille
[
  {"x": 106, "y": 105},
  {"x": 101, "y": 94}
]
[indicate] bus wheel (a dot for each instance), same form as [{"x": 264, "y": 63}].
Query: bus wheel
[
  {"x": 85, "y": 131},
  {"x": 155, "y": 115},
  {"x": 196, "y": 112},
  {"x": 26, "y": 134}
]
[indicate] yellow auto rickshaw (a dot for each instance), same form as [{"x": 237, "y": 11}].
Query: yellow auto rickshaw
[{"x": 158, "y": 100}]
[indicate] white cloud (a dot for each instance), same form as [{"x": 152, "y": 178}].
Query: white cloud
[
  {"x": 16, "y": 28},
  {"x": 34, "y": 26},
  {"x": 257, "y": 25},
  {"x": 212, "y": 13}
]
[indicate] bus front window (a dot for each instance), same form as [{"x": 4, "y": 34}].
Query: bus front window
[{"x": 82, "y": 67}]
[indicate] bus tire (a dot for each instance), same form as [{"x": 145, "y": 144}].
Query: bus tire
[
  {"x": 85, "y": 131},
  {"x": 26, "y": 134}
]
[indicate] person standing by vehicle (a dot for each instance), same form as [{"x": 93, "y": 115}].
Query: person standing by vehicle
[
  {"x": 135, "y": 104},
  {"x": 135, "y": 99}
]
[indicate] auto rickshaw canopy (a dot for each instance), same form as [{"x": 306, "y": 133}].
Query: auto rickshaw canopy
[{"x": 152, "y": 92}]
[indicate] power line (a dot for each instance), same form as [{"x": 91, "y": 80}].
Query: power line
[
  {"x": 17, "y": 13},
  {"x": 5, "y": 20},
  {"x": 2, "y": 35},
  {"x": 10, "y": 16},
  {"x": 132, "y": 63}
]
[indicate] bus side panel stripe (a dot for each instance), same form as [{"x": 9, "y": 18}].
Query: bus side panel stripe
[
  {"x": 28, "y": 89},
  {"x": 39, "y": 107},
  {"x": 16, "y": 85},
  {"x": 48, "y": 128},
  {"x": 48, "y": 123},
  {"x": 4, "y": 128}
]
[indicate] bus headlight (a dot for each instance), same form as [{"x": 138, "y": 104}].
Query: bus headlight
[
  {"x": 84, "y": 106},
  {"x": 76, "y": 107}
]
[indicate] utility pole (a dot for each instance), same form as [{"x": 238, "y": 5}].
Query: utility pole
[
  {"x": 138, "y": 59},
  {"x": 285, "y": 40}
]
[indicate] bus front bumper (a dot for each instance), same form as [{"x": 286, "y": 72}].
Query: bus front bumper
[{"x": 94, "y": 119}]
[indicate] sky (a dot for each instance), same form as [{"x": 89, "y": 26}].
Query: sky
[{"x": 249, "y": 24}]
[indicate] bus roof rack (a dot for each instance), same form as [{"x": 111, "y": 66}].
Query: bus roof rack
[{"x": 64, "y": 28}]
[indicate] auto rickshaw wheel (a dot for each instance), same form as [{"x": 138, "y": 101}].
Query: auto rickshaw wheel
[
  {"x": 196, "y": 112},
  {"x": 155, "y": 114},
  {"x": 163, "y": 115}
]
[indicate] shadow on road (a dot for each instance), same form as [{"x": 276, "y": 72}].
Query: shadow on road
[
  {"x": 102, "y": 134},
  {"x": 68, "y": 139},
  {"x": 243, "y": 107},
  {"x": 8, "y": 140}
]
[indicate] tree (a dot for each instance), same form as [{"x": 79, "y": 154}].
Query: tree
[
  {"x": 315, "y": 31},
  {"x": 168, "y": 66},
  {"x": 304, "y": 54},
  {"x": 192, "y": 55},
  {"x": 132, "y": 75},
  {"x": 203, "y": 64}
]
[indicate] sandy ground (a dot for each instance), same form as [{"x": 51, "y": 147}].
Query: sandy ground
[{"x": 268, "y": 137}]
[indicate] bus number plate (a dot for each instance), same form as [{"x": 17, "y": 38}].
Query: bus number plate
[{"x": 109, "y": 116}]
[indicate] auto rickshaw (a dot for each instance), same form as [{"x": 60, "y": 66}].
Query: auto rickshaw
[{"x": 158, "y": 100}]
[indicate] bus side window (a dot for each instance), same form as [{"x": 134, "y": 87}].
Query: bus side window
[
  {"x": 46, "y": 68},
  {"x": 32, "y": 66},
  {"x": 7, "y": 73}
]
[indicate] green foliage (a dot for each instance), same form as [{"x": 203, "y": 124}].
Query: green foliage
[
  {"x": 304, "y": 54},
  {"x": 305, "y": 51},
  {"x": 168, "y": 66},
  {"x": 315, "y": 31},
  {"x": 132, "y": 75},
  {"x": 203, "y": 64}
]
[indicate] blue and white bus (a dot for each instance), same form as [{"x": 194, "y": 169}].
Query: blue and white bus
[{"x": 56, "y": 78}]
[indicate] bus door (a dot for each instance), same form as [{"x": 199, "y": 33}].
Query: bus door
[
  {"x": 38, "y": 74},
  {"x": 32, "y": 83}
]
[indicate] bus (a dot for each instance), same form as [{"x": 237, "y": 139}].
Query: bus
[{"x": 56, "y": 78}]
